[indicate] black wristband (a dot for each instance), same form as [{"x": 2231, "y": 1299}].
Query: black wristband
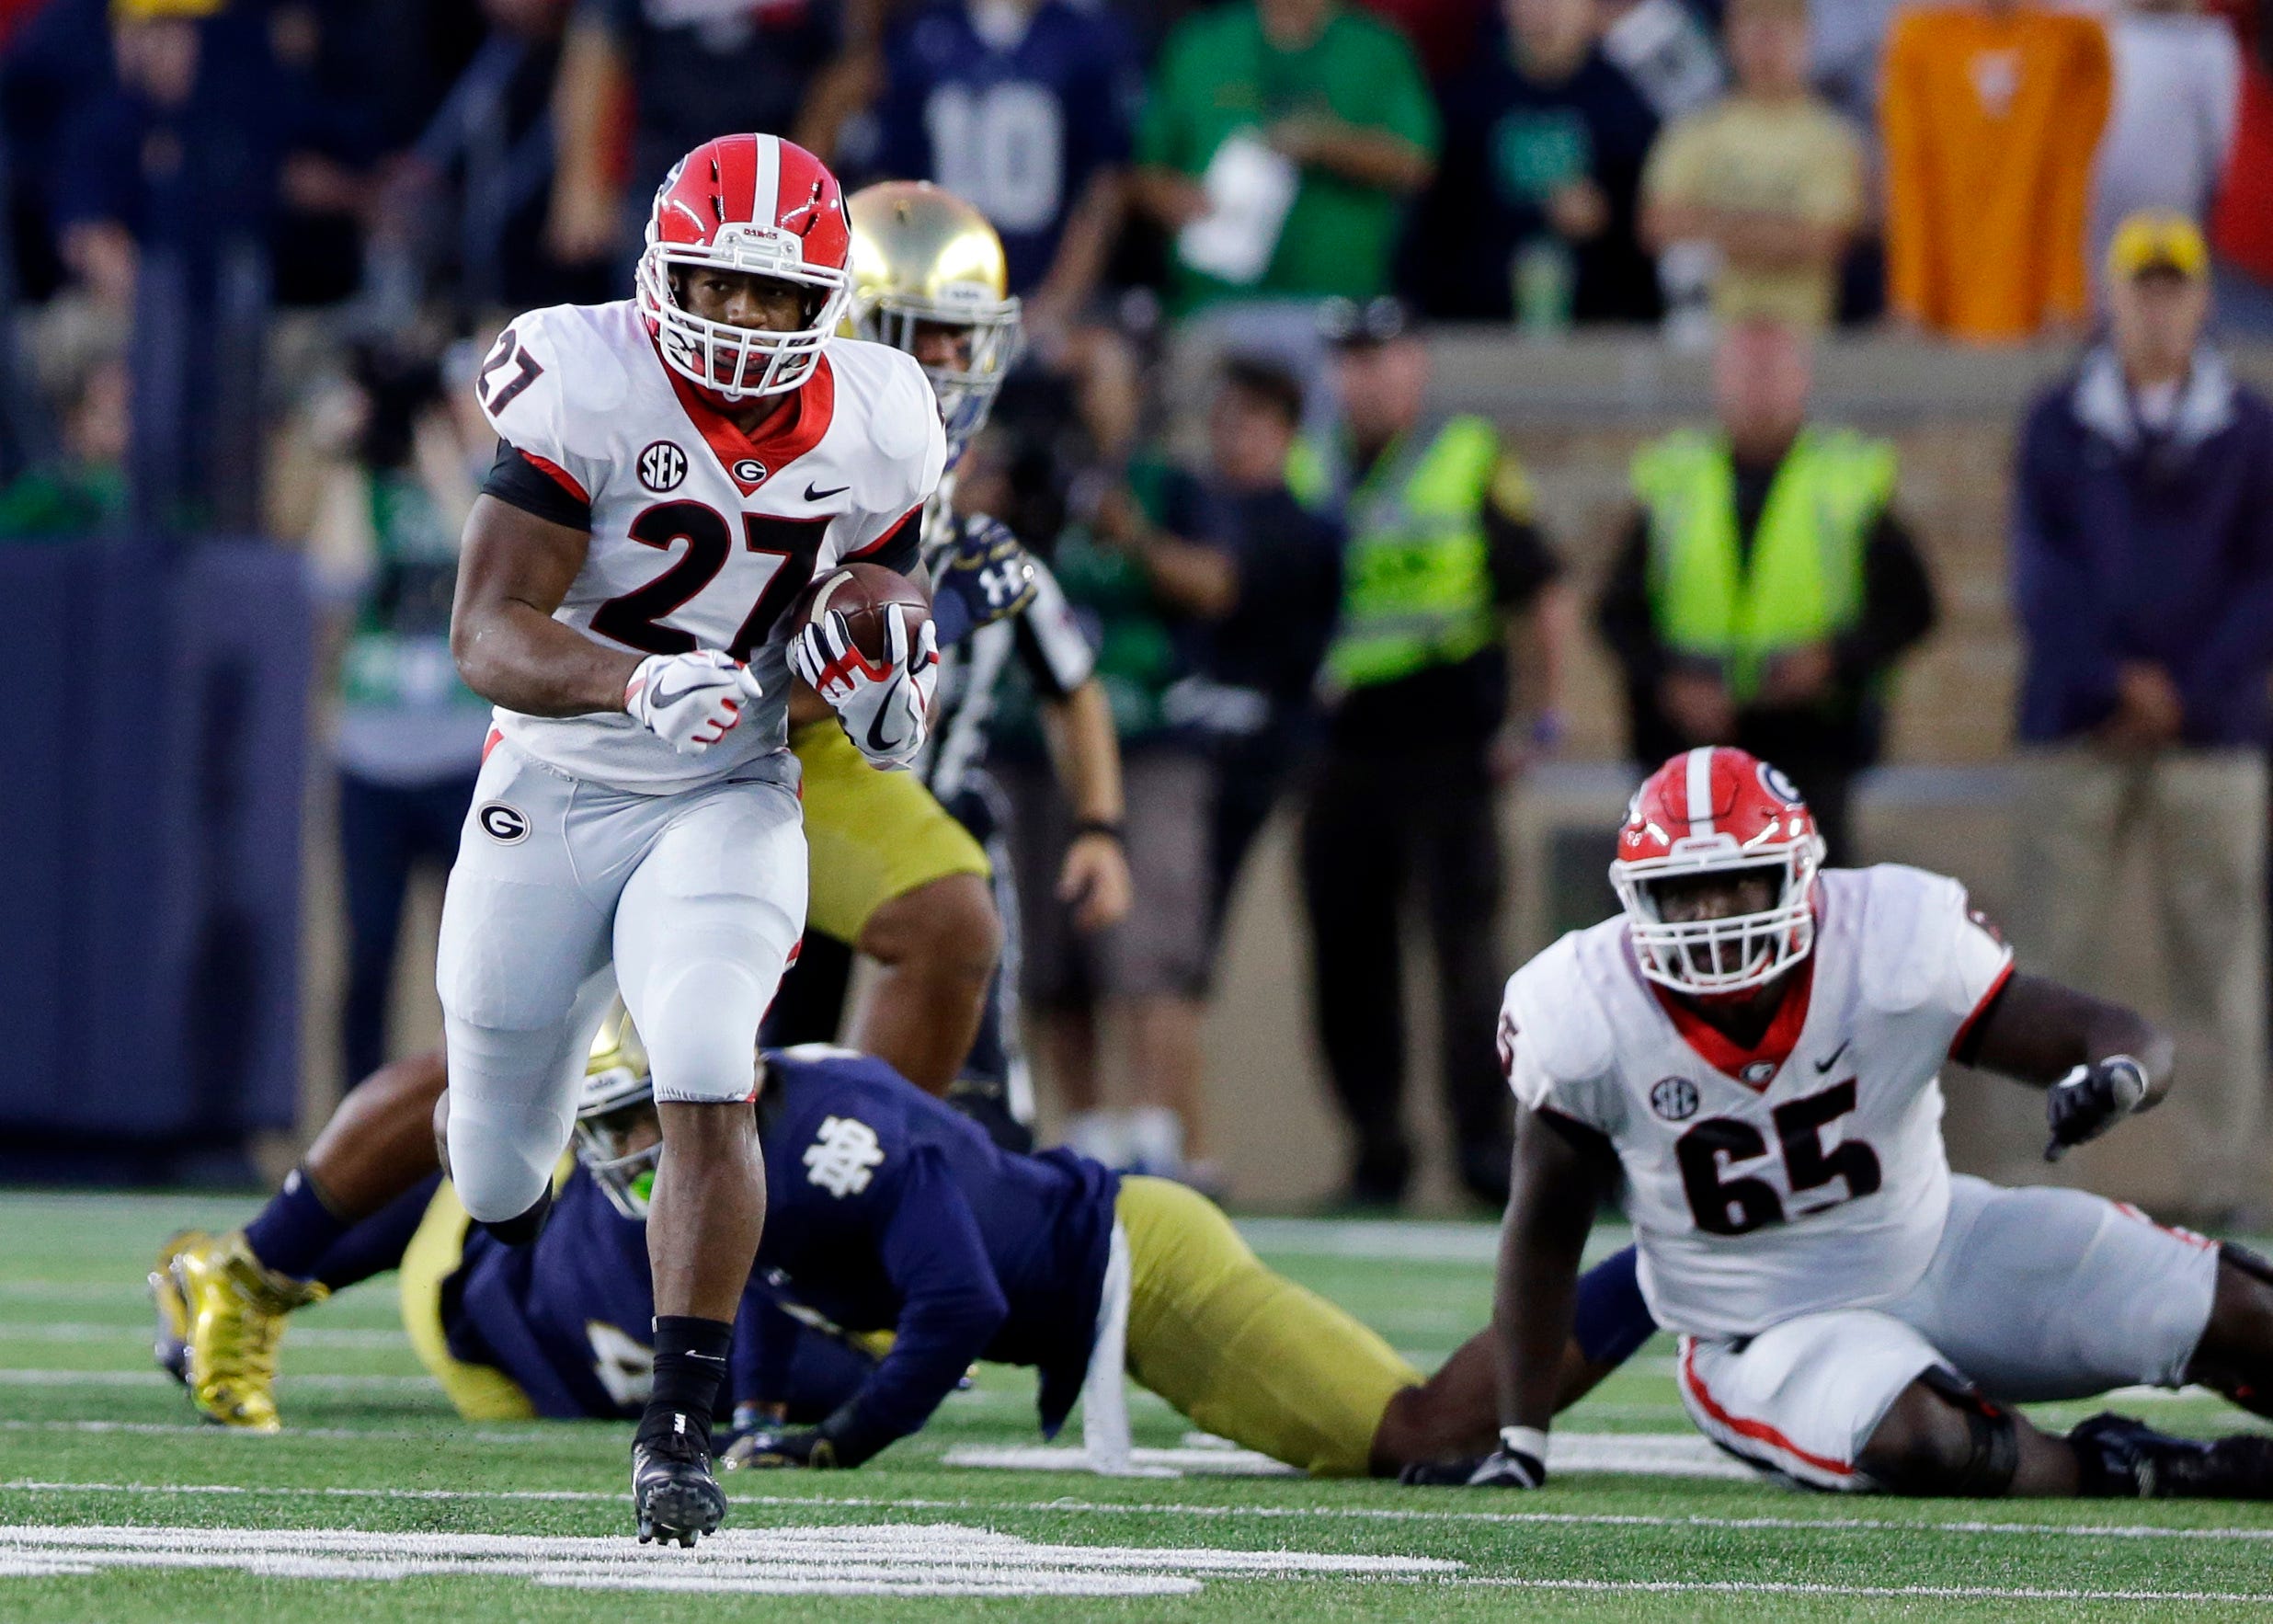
[{"x": 1108, "y": 827}]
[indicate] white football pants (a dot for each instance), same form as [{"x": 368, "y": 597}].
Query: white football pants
[{"x": 699, "y": 899}]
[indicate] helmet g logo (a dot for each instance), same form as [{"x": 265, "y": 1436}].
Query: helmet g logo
[
  {"x": 662, "y": 467},
  {"x": 1772, "y": 779},
  {"x": 1673, "y": 1098}
]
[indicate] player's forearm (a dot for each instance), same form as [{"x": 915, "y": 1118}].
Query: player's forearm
[
  {"x": 935, "y": 1342},
  {"x": 2038, "y": 1031},
  {"x": 1534, "y": 1293},
  {"x": 1087, "y": 753},
  {"x": 515, "y": 654}
]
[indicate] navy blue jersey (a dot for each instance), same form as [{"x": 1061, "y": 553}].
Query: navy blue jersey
[
  {"x": 1016, "y": 126},
  {"x": 887, "y": 1210},
  {"x": 570, "y": 1317}
]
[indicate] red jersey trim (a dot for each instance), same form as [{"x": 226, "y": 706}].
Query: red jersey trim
[
  {"x": 558, "y": 474},
  {"x": 1745, "y": 1427},
  {"x": 886, "y": 539},
  {"x": 1981, "y": 1007},
  {"x": 787, "y": 436},
  {"x": 1723, "y": 1053}
]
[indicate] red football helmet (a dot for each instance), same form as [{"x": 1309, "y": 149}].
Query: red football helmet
[
  {"x": 1710, "y": 811},
  {"x": 753, "y": 204}
]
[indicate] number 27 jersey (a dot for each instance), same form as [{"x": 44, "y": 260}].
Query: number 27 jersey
[
  {"x": 1806, "y": 1173},
  {"x": 701, "y": 536}
]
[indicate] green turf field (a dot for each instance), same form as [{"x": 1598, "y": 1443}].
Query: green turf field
[{"x": 381, "y": 1505}]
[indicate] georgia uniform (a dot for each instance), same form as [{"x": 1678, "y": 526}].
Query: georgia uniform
[
  {"x": 659, "y": 849},
  {"x": 1795, "y": 1217}
]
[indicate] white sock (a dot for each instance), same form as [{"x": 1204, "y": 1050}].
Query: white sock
[
  {"x": 1156, "y": 1141},
  {"x": 1101, "y": 1136}
]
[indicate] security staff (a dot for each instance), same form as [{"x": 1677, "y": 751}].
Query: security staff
[
  {"x": 1444, "y": 557},
  {"x": 1765, "y": 585}
]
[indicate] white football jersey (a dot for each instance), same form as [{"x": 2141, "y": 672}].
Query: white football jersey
[
  {"x": 701, "y": 535},
  {"x": 1807, "y": 1173}
]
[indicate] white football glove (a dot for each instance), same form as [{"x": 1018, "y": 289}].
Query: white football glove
[
  {"x": 691, "y": 700},
  {"x": 885, "y": 708}
]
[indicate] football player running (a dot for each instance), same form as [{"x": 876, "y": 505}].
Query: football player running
[
  {"x": 675, "y": 468},
  {"x": 892, "y": 873},
  {"x": 1755, "y": 1046},
  {"x": 893, "y": 1213}
]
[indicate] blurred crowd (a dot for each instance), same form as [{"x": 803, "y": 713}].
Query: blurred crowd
[{"x": 1232, "y": 226}]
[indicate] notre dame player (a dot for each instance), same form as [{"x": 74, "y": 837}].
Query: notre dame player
[{"x": 890, "y": 875}]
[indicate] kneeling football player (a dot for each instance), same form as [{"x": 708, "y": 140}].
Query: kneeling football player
[{"x": 1754, "y": 1044}]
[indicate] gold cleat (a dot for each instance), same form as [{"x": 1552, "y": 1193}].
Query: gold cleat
[
  {"x": 170, "y": 1346},
  {"x": 236, "y": 1310}
]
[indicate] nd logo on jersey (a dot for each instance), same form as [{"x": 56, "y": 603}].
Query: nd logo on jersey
[{"x": 840, "y": 1157}]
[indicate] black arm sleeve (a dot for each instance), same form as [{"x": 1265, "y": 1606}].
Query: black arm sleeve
[
  {"x": 899, "y": 549},
  {"x": 1519, "y": 557},
  {"x": 518, "y": 482},
  {"x": 1623, "y": 615},
  {"x": 1897, "y": 603}
]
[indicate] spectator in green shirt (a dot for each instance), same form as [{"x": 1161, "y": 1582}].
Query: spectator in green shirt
[
  {"x": 1336, "y": 94},
  {"x": 83, "y": 491}
]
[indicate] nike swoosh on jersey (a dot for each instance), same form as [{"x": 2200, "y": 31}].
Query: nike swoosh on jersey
[
  {"x": 821, "y": 495},
  {"x": 1823, "y": 1066}
]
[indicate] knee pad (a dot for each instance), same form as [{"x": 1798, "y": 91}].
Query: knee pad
[
  {"x": 702, "y": 1032},
  {"x": 1992, "y": 1437},
  {"x": 502, "y": 1151}
]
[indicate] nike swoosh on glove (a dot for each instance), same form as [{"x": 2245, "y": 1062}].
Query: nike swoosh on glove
[
  {"x": 2090, "y": 1100},
  {"x": 885, "y": 708},
  {"x": 1502, "y": 1469},
  {"x": 689, "y": 700}
]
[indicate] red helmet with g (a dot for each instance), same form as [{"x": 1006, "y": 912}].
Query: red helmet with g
[
  {"x": 1710, "y": 812},
  {"x": 764, "y": 207}
]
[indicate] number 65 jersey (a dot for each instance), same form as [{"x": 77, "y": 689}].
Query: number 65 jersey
[
  {"x": 701, "y": 535},
  {"x": 1807, "y": 1173}
]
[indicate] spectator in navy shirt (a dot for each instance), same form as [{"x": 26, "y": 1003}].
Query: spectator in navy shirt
[
  {"x": 1533, "y": 211},
  {"x": 1025, "y": 110},
  {"x": 2142, "y": 565}
]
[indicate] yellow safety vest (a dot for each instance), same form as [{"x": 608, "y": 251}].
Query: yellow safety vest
[
  {"x": 1417, "y": 578},
  {"x": 1802, "y": 581}
]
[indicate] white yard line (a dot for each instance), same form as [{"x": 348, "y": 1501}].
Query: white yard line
[
  {"x": 1763, "y": 1587},
  {"x": 1259, "y": 1512}
]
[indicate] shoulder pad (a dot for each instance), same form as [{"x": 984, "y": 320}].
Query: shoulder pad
[
  {"x": 1906, "y": 929},
  {"x": 1560, "y": 1014},
  {"x": 554, "y": 379},
  {"x": 899, "y": 417}
]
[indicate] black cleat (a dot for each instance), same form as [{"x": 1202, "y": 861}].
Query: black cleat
[
  {"x": 2126, "y": 1459},
  {"x": 673, "y": 1493}
]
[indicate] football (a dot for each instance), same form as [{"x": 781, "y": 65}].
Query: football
[{"x": 861, "y": 592}]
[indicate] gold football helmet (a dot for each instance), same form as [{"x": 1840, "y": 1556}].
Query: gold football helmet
[
  {"x": 924, "y": 260},
  {"x": 618, "y": 1092}
]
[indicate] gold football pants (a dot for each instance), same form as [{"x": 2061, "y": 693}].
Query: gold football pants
[
  {"x": 1246, "y": 1352},
  {"x": 871, "y": 835}
]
